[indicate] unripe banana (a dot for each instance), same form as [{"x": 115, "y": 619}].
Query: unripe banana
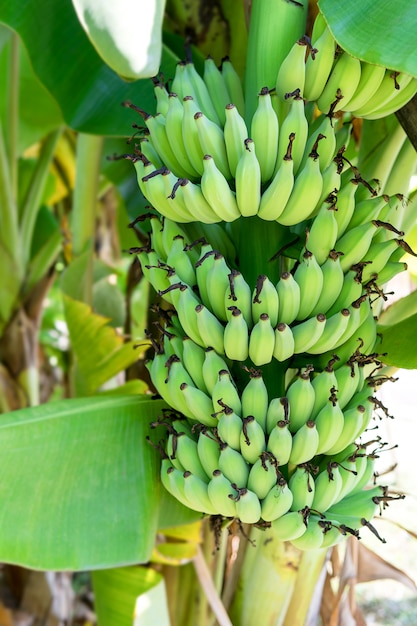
[
  {"x": 371, "y": 79},
  {"x": 149, "y": 152},
  {"x": 196, "y": 492},
  {"x": 313, "y": 537},
  {"x": 217, "y": 88},
  {"x": 248, "y": 181},
  {"x": 212, "y": 366},
  {"x": 174, "y": 198},
  {"x": 309, "y": 277},
  {"x": 217, "y": 191},
  {"x": 236, "y": 336},
  {"x": 278, "y": 411},
  {"x": 333, "y": 282},
  {"x": 280, "y": 442},
  {"x": 333, "y": 334},
  {"x": 225, "y": 393},
  {"x": 300, "y": 394},
  {"x": 263, "y": 475},
  {"x": 177, "y": 374},
  {"x": 173, "y": 481},
  {"x": 323, "y": 126},
  {"x": 233, "y": 465},
  {"x": 196, "y": 203},
  {"x": 294, "y": 123},
  {"x": 349, "y": 474},
  {"x": 239, "y": 295},
  {"x": 395, "y": 103},
  {"x": 351, "y": 290},
  {"x": 289, "y": 298},
  {"x": 252, "y": 439},
  {"x": 248, "y": 507},
  {"x": 390, "y": 270},
  {"x": 360, "y": 504},
  {"x": 181, "y": 83},
  {"x": 345, "y": 205},
  {"x": 319, "y": 64},
  {"x": 186, "y": 452},
  {"x": 202, "y": 267},
  {"x": 173, "y": 124},
  {"x": 304, "y": 444},
  {"x": 379, "y": 255},
  {"x": 265, "y": 300},
  {"x": 262, "y": 341},
  {"x": 229, "y": 427},
  {"x": 277, "y": 502},
  {"x": 264, "y": 132},
  {"x": 201, "y": 93},
  {"x": 322, "y": 235},
  {"x": 284, "y": 346},
  {"x": 352, "y": 425},
  {"x": 217, "y": 284},
  {"x": 290, "y": 526},
  {"x": 235, "y": 133},
  {"x": 234, "y": 85},
  {"x": 308, "y": 333},
  {"x": 324, "y": 384},
  {"x": 210, "y": 329},
  {"x": 392, "y": 83},
  {"x": 276, "y": 196},
  {"x": 330, "y": 424},
  {"x": 181, "y": 262},
  {"x": 355, "y": 244},
  {"x": 342, "y": 84},
  {"x": 199, "y": 404},
  {"x": 190, "y": 134},
  {"x": 365, "y": 466},
  {"x": 331, "y": 534},
  {"x": 212, "y": 142},
  {"x": 185, "y": 304},
  {"x": 208, "y": 449},
  {"x": 222, "y": 495},
  {"x": 302, "y": 486},
  {"x": 291, "y": 74},
  {"x": 255, "y": 398},
  {"x": 170, "y": 230},
  {"x": 156, "y": 187},
  {"x": 161, "y": 96},
  {"x": 367, "y": 210}
]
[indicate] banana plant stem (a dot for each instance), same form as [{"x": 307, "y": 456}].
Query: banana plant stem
[
  {"x": 206, "y": 582},
  {"x": 89, "y": 151}
]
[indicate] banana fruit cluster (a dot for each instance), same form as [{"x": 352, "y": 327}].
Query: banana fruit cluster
[{"x": 290, "y": 444}]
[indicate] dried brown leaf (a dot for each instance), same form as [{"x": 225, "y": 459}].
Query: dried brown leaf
[{"x": 372, "y": 567}]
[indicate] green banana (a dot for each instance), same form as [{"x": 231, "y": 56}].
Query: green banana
[
  {"x": 248, "y": 507},
  {"x": 284, "y": 346},
  {"x": 186, "y": 452},
  {"x": 161, "y": 96},
  {"x": 200, "y": 92},
  {"x": 190, "y": 134},
  {"x": 263, "y": 475},
  {"x": 236, "y": 336},
  {"x": 252, "y": 439},
  {"x": 345, "y": 205},
  {"x": 300, "y": 394},
  {"x": 217, "y": 88},
  {"x": 276, "y": 196},
  {"x": 349, "y": 381},
  {"x": 225, "y": 393},
  {"x": 181, "y": 262},
  {"x": 277, "y": 502},
  {"x": 217, "y": 284},
  {"x": 233, "y": 84},
  {"x": 235, "y": 133},
  {"x": 291, "y": 525},
  {"x": 323, "y": 126},
  {"x": 313, "y": 537},
  {"x": 341, "y": 85},
  {"x": 233, "y": 465},
  {"x": 229, "y": 427},
  {"x": 391, "y": 84},
  {"x": 367, "y": 210},
  {"x": 255, "y": 398},
  {"x": 355, "y": 244},
  {"x": 265, "y": 300},
  {"x": 394, "y": 104},
  {"x": 208, "y": 449},
  {"x": 186, "y": 308},
  {"x": 371, "y": 79},
  {"x": 333, "y": 283},
  {"x": 304, "y": 444},
  {"x": 302, "y": 486},
  {"x": 199, "y": 404},
  {"x": 309, "y": 277},
  {"x": 202, "y": 267},
  {"x": 212, "y": 142},
  {"x": 280, "y": 442},
  {"x": 196, "y": 492},
  {"x": 307, "y": 334},
  {"x": 351, "y": 289},
  {"x": 330, "y": 423},
  {"x": 289, "y": 298},
  {"x": 239, "y": 295},
  {"x": 291, "y": 74},
  {"x": 248, "y": 181},
  {"x": 222, "y": 495},
  {"x": 196, "y": 204},
  {"x": 324, "y": 384},
  {"x": 319, "y": 64},
  {"x": 295, "y": 123},
  {"x": 265, "y": 132},
  {"x": 334, "y": 331},
  {"x": 212, "y": 366},
  {"x": 262, "y": 341},
  {"x": 323, "y": 233},
  {"x": 210, "y": 329},
  {"x": 173, "y": 125},
  {"x": 352, "y": 425},
  {"x": 278, "y": 411},
  {"x": 173, "y": 481}
]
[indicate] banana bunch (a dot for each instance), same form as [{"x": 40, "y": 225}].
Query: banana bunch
[
  {"x": 339, "y": 81},
  {"x": 288, "y": 444}
]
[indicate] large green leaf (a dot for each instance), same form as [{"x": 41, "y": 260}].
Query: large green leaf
[
  {"x": 116, "y": 592},
  {"x": 398, "y": 343},
  {"x": 80, "y": 487},
  {"x": 378, "y": 32},
  {"x": 88, "y": 92},
  {"x": 126, "y": 36},
  {"x": 38, "y": 112}
]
